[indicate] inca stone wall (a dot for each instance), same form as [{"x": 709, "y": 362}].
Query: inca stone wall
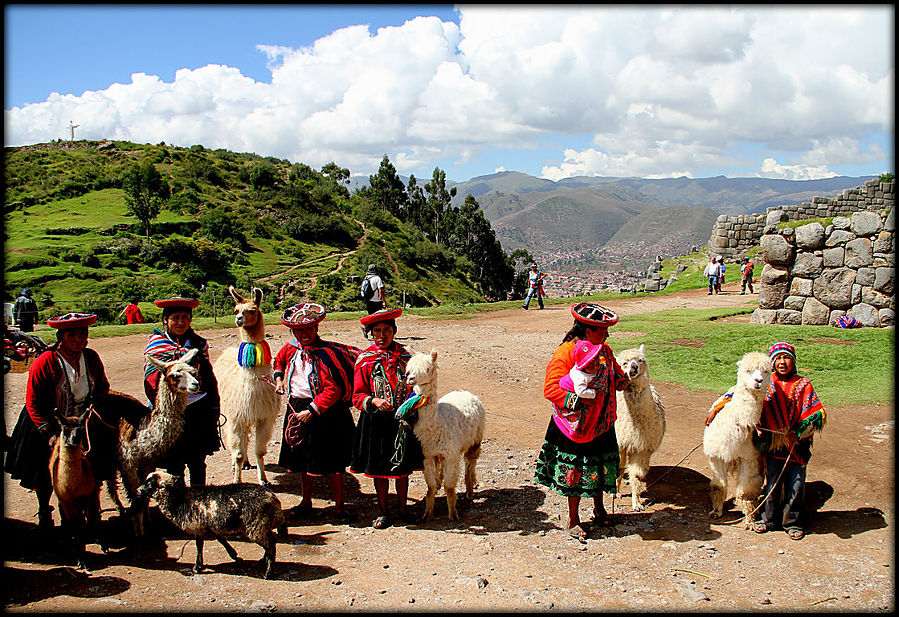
[
  {"x": 732, "y": 236},
  {"x": 813, "y": 274}
]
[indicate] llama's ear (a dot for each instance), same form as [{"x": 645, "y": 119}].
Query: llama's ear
[
  {"x": 257, "y": 296},
  {"x": 235, "y": 295},
  {"x": 434, "y": 355},
  {"x": 642, "y": 348},
  {"x": 189, "y": 356}
]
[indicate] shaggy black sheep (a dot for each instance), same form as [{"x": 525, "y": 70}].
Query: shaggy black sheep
[{"x": 206, "y": 512}]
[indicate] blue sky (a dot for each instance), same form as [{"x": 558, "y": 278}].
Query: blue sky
[{"x": 549, "y": 91}]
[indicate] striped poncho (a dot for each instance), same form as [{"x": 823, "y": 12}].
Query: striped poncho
[{"x": 791, "y": 406}]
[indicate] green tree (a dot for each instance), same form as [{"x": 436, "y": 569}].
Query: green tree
[
  {"x": 263, "y": 174},
  {"x": 438, "y": 200},
  {"x": 145, "y": 192},
  {"x": 387, "y": 190},
  {"x": 469, "y": 233}
]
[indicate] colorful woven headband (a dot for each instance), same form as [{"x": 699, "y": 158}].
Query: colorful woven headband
[
  {"x": 305, "y": 314},
  {"x": 382, "y": 315},
  {"x": 72, "y": 320},
  {"x": 594, "y": 315},
  {"x": 780, "y": 348}
]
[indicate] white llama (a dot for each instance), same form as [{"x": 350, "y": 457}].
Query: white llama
[
  {"x": 640, "y": 424},
  {"x": 248, "y": 398},
  {"x": 727, "y": 441},
  {"x": 142, "y": 446},
  {"x": 448, "y": 429}
]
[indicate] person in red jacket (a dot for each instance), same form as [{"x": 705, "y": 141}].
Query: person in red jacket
[
  {"x": 379, "y": 388},
  {"x": 579, "y": 457},
  {"x": 66, "y": 379},
  {"x": 317, "y": 377},
  {"x": 132, "y": 312}
]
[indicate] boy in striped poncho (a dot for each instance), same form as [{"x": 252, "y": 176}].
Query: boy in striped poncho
[{"x": 791, "y": 415}]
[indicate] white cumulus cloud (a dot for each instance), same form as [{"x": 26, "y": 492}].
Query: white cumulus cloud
[{"x": 662, "y": 91}]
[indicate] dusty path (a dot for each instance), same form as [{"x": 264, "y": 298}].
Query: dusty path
[{"x": 509, "y": 552}]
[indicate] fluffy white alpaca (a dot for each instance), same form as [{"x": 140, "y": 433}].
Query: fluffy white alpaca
[
  {"x": 640, "y": 424},
  {"x": 727, "y": 441},
  {"x": 449, "y": 429},
  {"x": 248, "y": 398}
]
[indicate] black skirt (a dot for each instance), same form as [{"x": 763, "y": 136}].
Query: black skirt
[
  {"x": 29, "y": 455},
  {"x": 328, "y": 442},
  {"x": 374, "y": 446},
  {"x": 199, "y": 438}
]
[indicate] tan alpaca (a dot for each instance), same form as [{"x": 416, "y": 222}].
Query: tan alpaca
[{"x": 248, "y": 398}]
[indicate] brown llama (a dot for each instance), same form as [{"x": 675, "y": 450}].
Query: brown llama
[{"x": 248, "y": 398}]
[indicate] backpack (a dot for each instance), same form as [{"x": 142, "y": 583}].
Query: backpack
[{"x": 366, "y": 292}]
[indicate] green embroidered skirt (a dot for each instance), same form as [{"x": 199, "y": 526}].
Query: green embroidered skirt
[{"x": 578, "y": 469}]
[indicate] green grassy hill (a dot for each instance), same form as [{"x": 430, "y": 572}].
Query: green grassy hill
[{"x": 232, "y": 218}]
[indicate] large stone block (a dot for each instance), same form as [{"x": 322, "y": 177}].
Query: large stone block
[
  {"x": 795, "y": 303},
  {"x": 875, "y": 298},
  {"x": 865, "y": 276},
  {"x": 834, "y": 287},
  {"x": 807, "y": 265},
  {"x": 889, "y": 223},
  {"x": 774, "y": 217},
  {"x": 866, "y": 314},
  {"x": 865, "y": 223},
  {"x": 839, "y": 237},
  {"x": 810, "y": 237},
  {"x": 841, "y": 222},
  {"x": 814, "y": 313},
  {"x": 859, "y": 253},
  {"x": 801, "y": 287},
  {"x": 883, "y": 280},
  {"x": 776, "y": 250},
  {"x": 774, "y": 287},
  {"x": 856, "y": 295},
  {"x": 763, "y": 316},
  {"x": 789, "y": 318},
  {"x": 884, "y": 243},
  {"x": 835, "y": 257},
  {"x": 887, "y": 317}
]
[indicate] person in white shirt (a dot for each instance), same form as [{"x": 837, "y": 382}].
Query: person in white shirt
[
  {"x": 535, "y": 287},
  {"x": 712, "y": 271}
]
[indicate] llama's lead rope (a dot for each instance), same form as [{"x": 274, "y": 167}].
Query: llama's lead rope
[{"x": 773, "y": 486}]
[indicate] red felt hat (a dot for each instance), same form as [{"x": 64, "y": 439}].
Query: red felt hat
[
  {"x": 382, "y": 315},
  {"x": 72, "y": 320},
  {"x": 177, "y": 302},
  {"x": 305, "y": 314},
  {"x": 594, "y": 315}
]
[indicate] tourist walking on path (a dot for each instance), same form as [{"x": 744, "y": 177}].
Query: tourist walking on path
[
  {"x": 200, "y": 436},
  {"x": 721, "y": 269},
  {"x": 579, "y": 457},
  {"x": 535, "y": 287},
  {"x": 379, "y": 390},
  {"x": 132, "y": 312},
  {"x": 712, "y": 271},
  {"x": 746, "y": 276},
  {"x": 317, "y": 376},
  {"x": 25, "y": 311}
]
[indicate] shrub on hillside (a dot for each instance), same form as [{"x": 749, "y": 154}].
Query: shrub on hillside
[
  {"x": 326, "y": 229},
  {"x": 426, "y": 254}
]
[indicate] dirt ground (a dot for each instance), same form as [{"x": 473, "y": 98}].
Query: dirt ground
[{"x": 510, "y": 551}]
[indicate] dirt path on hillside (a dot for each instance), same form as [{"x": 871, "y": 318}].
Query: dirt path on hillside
[{"x": 509, "y": 553}]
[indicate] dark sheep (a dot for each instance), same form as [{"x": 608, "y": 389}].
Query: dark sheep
[{"x": 206, "y": 512}]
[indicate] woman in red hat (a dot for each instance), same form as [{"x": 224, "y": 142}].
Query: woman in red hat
[
  {"x": 378, "y": 391},
  {"x": 579, "y": 457},
  {"x": 317, "y": 376},
  {"x": 200, "y": 436},
  {"x": 65, "y": 379}
]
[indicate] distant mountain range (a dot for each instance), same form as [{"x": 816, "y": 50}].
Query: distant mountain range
[{"x": 654, "y": 216}]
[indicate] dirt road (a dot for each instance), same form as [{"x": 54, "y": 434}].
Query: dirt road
[{"x": 510, "y": 551}]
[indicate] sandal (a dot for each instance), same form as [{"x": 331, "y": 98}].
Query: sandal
[
  {"x": 795, "y": 533},
  {"x": 300, "y": 510},
  {"x": 578, "y": 532},
  {"x": 381, "y": 522},
  {"x": 604, "y": 520},
  {"x": 760, "y": 527}
]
